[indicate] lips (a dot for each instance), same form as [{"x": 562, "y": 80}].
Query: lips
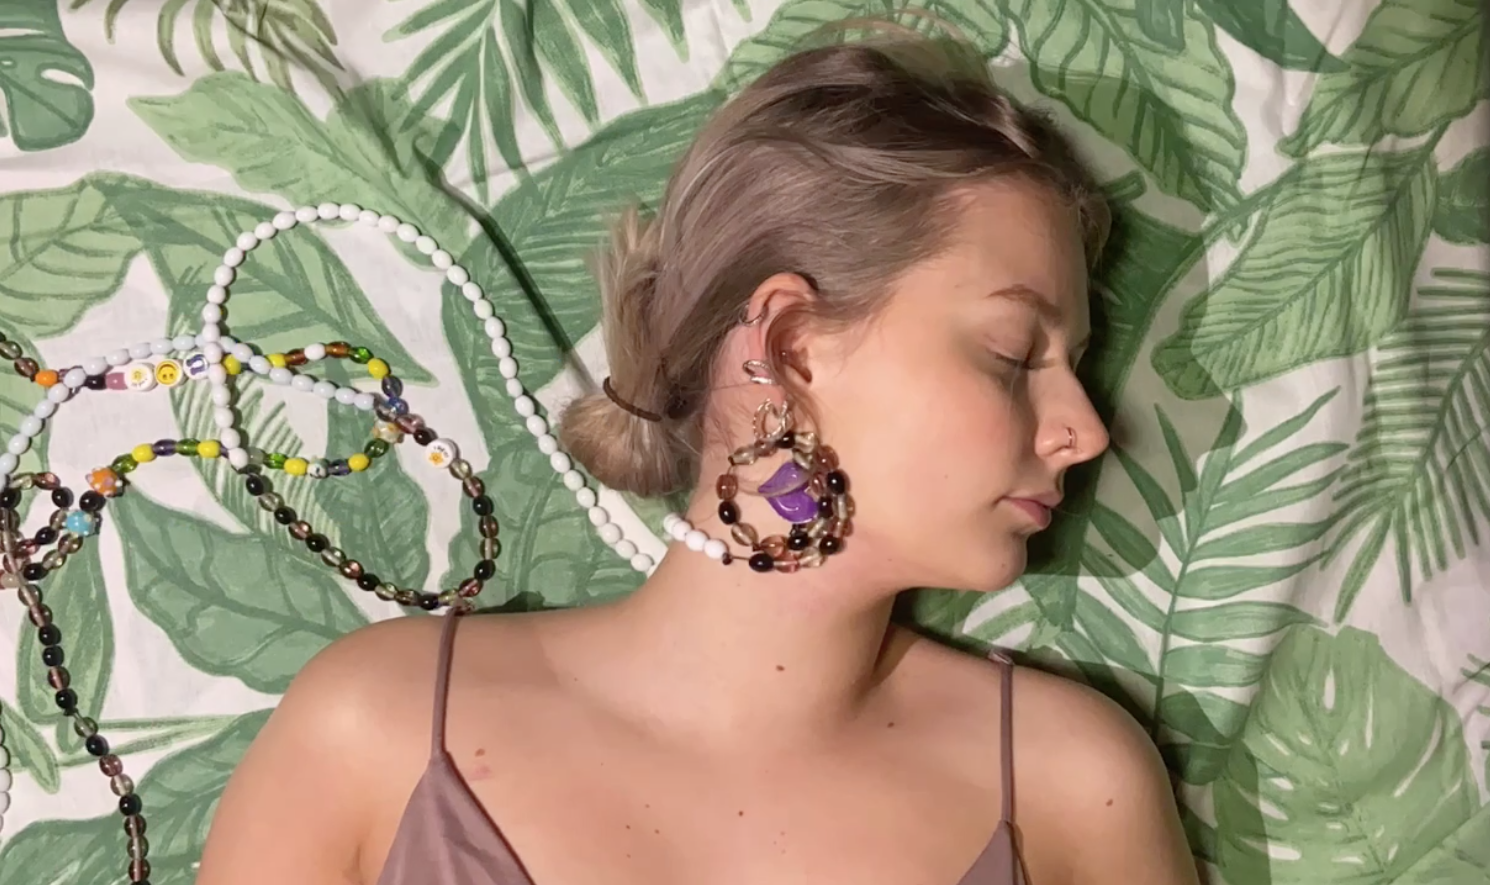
[{"x": 1038, "y": 512}]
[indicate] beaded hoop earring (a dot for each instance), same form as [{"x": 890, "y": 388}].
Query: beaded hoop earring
[{"x": 809, "y": 491}]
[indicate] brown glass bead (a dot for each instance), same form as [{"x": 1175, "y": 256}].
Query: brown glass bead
[
  {"x": 743, "y": 456},
  {"x": 827, "y": 459},
  {"x": 139, "y": 848},
  {"x": 338, "y": 349},
  {"x": 744, "y": 534},
  {"x": 810, "y": 558},
  {"x": 300, "y": 530},
  {"x": 727, "y": 487},
  {"x": 58, "y": 519},
  {"x": 804, "y": 441},
  {"x": 54, "y": 560},
  {"x": 460, "y": 468},
  {"x": 295, "y": 358},
  {"x": 28, "y": 548},
  {"x": 787, "y": 566},
  {"x": 110, "y": 765},
  {"x": 490, "y": 547},
  {"x": 9, "y": 349},
  {"x": 351, "y": 569},
  {"x": 774, "y": 545},
  {"x": 489, "y": 526},
  {"x": 139, "y": 870},
  {"x": 22, "y": 481},
  {"x": 841, "y": 528},
  {"x": 58, "y": 678},
  {"x": 386, "y": 592},
  {"x": 122, "y": 784},
  {"x": 474, "y": 487},
  {"x": 805, "y": 460},
  {"x": 70, "y": 544},
  {"x": 333, "y": 557},
  {"x": 26, "y": 367},
  {"x": 30, "y": 595},
  {"x": 40, "y": 615},
  {"x": 468, "y": 588},
  {"x": 83, "y": 727},
  {"x": 134, "y": 825},
  {"x": 48, "y": 481},
  {"x": 817, "y": 486},
  {"x": 409, "y": 423},
  {"x": 406, "y": 597}
]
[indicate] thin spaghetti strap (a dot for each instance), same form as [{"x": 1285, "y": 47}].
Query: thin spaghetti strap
[
  {"x": 442, "y": 685},
  {"x": 1007, "y": 746}
]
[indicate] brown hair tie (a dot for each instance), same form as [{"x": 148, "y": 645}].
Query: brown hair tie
[{"x": 616, "y": 398}]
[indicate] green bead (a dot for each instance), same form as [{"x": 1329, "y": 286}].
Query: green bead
[
  {"x": 124, "y": 464},
  {"x": 361, "y": 355},
  {"x": 187, "y": 446},
  {"x": 275, "y": 460},
  {"x": 375, "y": 448}
]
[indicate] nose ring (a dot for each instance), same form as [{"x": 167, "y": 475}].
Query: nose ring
[{"x": 1070, "y": 438}]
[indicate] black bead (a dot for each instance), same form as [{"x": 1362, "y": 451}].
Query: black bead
[
  {"x": 52, "y": 656},
  {"x": 130, "y": 804},
  {"x": 10, "y": 498},
  {"x": 482, "y": 505},
  {"x": 34, "y": 571},
  {"x": 45, "y": 535},
  {"x": 315, "y": 543},
  {"x": 798, "y": 539},
  {"x": 837, "y": 482},
  {"x": 284, "y": 516},
  {"x": 49, "y": 635},
  {"x": 829, "y": 545},
  {"x": 96, "y": 382},
  {"x": 91, "y": 501},
  {"x": 97, "y": 746},
  {"x": 61, "y": 499},
  {"x": 256, "y": 485},
  {"x": 825, "y": 507},
  {"x": 429, "y": 601},
  {"x": 484, "y": 570},
  {"x": 424, "y": 436},
  {"x": 368, "y": 581},
  {"x": 729, "y": 513},
  {"x": 787, "y": 440},
  {"x": 762, "y": 562},
  {"x": 67, "y": 700}
]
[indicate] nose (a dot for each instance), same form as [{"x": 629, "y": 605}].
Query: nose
[{"x": 1072, "y": 433}]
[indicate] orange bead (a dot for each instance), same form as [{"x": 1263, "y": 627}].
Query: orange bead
[{"x": 47, "y": 377}]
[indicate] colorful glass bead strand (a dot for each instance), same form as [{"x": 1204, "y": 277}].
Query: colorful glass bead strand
[{"x": 501, "y": 348}]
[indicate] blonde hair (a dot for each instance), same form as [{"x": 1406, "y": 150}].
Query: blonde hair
[{"x": 841, "y": 164}]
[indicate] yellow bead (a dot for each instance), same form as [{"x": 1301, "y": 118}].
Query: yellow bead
[
  {"x": 231, "y": 365},
  {"x": 377, "y": 368},
  {"x": 209, "y": 448},
  {"x": 296, "y": 466},
  {"x": 143, "y": 453},
  {"x": 277, "y": 360},
  {"x": 359, "y": 462}
]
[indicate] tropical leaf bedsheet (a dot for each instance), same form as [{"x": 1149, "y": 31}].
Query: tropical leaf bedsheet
[{"x": 1281, "y": 567}]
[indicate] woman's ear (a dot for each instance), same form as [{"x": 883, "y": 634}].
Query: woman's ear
[{"x": 775, "y": 322}]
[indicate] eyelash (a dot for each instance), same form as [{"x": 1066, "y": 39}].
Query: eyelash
[{"x": 1022, "y": 365}]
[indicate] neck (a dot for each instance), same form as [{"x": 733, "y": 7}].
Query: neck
[{"x": 721, "y": 653}]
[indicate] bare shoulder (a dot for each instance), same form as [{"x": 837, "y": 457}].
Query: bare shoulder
[
  {"x": 347, "y": 742},
  {"x": 1086, "y": 766}
]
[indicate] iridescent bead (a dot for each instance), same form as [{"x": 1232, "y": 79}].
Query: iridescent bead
[
  {"x": 375, "y": 448},
  {"x": 333, "y": 557},
  {"x": 460, "y": 468},
  {"x": 271, "y": 501},
  {"x": 10, "y": 350},
  {"x": 138, "y": 848},
  {"x": 57, "y": 520},
  {"x": 727, "y": 486},
  {"x": 484, "y": 570},
  {"x": 829, "y": 545},
  {"x": 396, "y": 406},
  {"x": 490, "y": 548},
  {"x": 386, "y": 591},
  {"x": 787, "y": 566},
  {"x": 47, "y": 481},
  {"x": 295, "y": 358},
  {"x": 30, "y": 595},
  {"x": 775, "y": 545},
  {"x": 40, "y": 616},
  {"x": 84, "y": 727},
  {"x": 54, "y": 560},
  {"x": 488, "y": 526},
  {"x": 410, "y": 423},
  {"x": 139, "y": 870},
  {"x": 405, "y": 597},
  {"x": 810, "y": 558},
  {"x": 27, "y": 368},
  {"x": 97, "y": 745},
  {"x": 134, "y": 825},
  {"x": 762, "y": 562}
]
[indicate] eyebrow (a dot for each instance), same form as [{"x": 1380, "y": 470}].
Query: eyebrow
[{"x": 1033, "y": 299}]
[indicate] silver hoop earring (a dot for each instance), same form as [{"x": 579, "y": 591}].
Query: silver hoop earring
[
  {"x": 758, "y": 372},
  {"x": 747, "y": 320}
]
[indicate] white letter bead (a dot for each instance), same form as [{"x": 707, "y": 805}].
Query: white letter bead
[
  {"x": 223, "y": 276},
  {"x": 284, "y": 221},
  {"x": 457, "y": 275},
  {"x": 586, "y": 498},
  {"x": 247, "y": 240},
  {"x": 536, "y": 425},
  {"x": 598, "y": 516},
  {"x": 441, "y": 259},
  {"x": 695, "y": 540},
  {"x": 573, "y": 479},
  {"x": 610, "y": 533},
  {"x": 625, "y": 549}
]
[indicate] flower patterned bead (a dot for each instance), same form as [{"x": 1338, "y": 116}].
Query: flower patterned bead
[
  {"x": 106, "y": 482},
  {"x": 81, "y": 522}
]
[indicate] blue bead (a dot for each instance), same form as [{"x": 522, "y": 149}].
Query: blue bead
[
  {"x": 397, "y": 407},
  {"x": 392, "y": 386},
  {"x": 81, "y": 523},
  {"x": 164, "y": 447}
]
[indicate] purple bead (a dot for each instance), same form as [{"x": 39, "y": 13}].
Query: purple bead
[
  {"x": 164, "y": 447},
  {"x": 789, "y": 477},
  {"x": 794, "y": 507},
  {"x": 392, "y": 386}
]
